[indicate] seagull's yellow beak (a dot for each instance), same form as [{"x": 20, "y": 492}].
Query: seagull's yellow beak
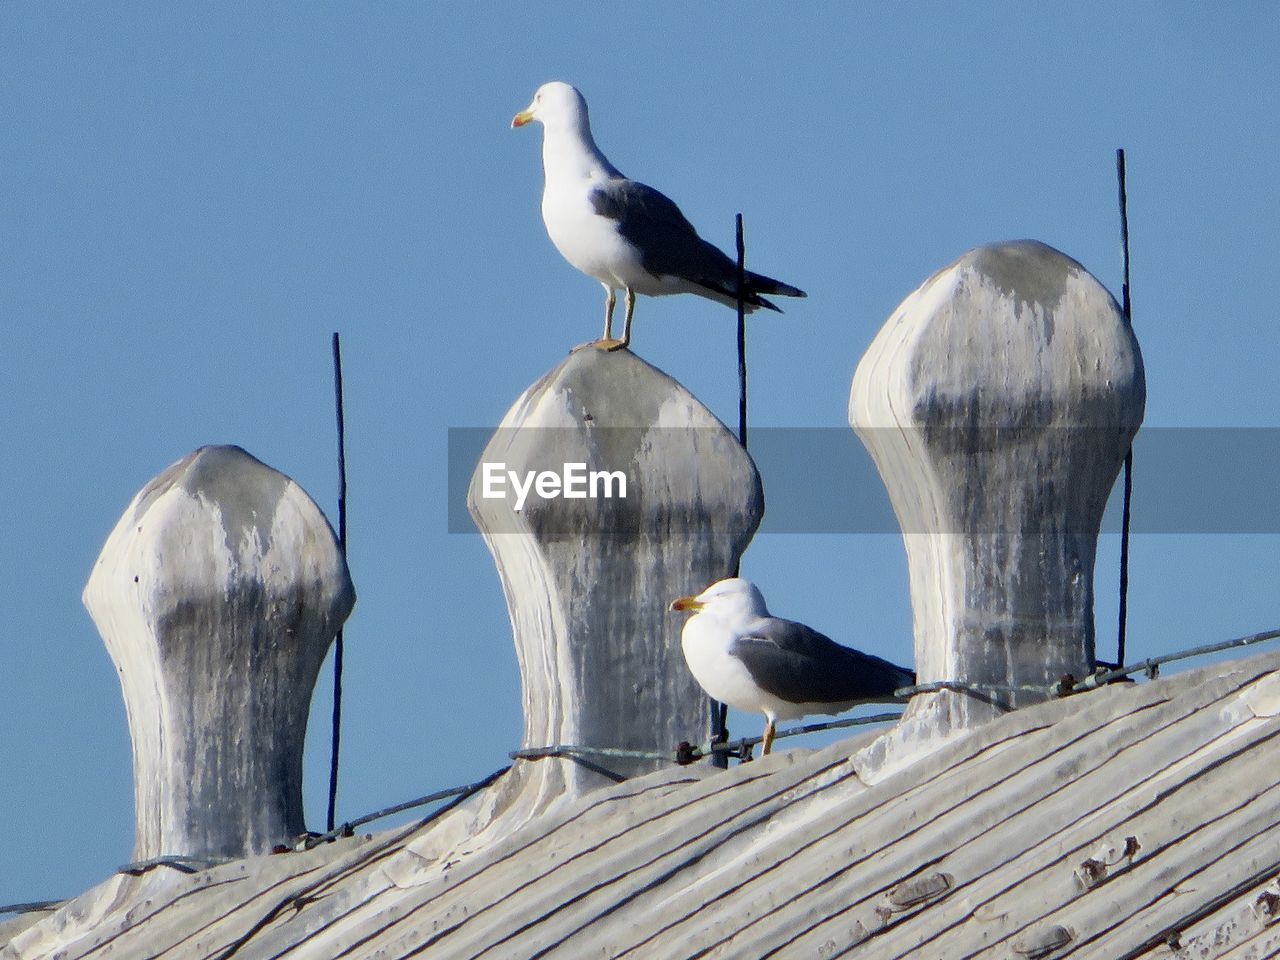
[
  {"x": 686, "y": 603},
  {"x": 521, "y": 118}
]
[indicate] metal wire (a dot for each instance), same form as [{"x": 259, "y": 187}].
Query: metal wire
[
  {"x": 461, "y": 793},
  {"x": 963, "y": 686},
  {"x": 741, "y": 747},
  {"x": 1150, "y": 666},
  {"x": 1060, "y": 688},
  {"x": 194, "y": 864},
  {"x": 32, "y": 906},
  {"x": 686, "y": 753},
  {"x": 574, "y": 750},
  {"x": 176, "y": 861}
]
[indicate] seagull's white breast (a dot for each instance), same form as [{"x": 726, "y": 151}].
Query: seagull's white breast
[
  {"x": 587, "y": 240},
  {"x": 706, "y": 642}
]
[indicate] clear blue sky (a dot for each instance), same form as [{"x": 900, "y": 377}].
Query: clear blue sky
[{"x": 195, "y": 196}]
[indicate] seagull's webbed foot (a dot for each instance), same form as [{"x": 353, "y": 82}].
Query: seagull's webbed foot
[{"x": 609, "y": 344}]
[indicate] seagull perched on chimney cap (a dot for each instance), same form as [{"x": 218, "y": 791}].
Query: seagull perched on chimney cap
[
  {"x": 752, "y": 661},
  {"x": 627, "y": 235}
]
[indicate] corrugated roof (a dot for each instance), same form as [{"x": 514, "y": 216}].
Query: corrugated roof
[{"x": 1137, "y": 820}]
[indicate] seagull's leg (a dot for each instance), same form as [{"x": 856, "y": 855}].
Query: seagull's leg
[
  {"x": 769, "y": 731},
  {"x": 607, "y": 342},
  {"x": 610, "y": 298},
  {"x": 626, "y": 323}
]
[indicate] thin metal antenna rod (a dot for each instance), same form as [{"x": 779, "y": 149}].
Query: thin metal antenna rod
[
  {"x": 720, "y": 711},
  {"x": 342, "y": 541},
  {"x": 742, "y": 337},
  {"x": 1127, "y": 306}
]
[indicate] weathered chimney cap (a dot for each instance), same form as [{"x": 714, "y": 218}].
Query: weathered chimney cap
[
  {"x": 588, "y": 580},
  {"x": 998, "y": 402},
  {"x": 217, "y": 595}
]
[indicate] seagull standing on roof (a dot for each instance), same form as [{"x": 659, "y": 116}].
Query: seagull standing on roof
[
  {"x": 752, "y": 661},
  {"x": 627, "y": 235}
]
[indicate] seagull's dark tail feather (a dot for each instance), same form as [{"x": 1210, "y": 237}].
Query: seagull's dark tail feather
[
  {"x": 726, "y": 291},
  {"x": 879, "y": 678},
  {"x": 759, "y": 283}
]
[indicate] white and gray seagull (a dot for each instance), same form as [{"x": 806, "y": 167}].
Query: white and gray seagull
[
  {"x": 627, "y": 235},
  {"x": 752, "y": 661}
]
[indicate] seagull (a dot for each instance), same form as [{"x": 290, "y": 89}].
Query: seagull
[
  {"x": 627, "y": 235},
  {"x": 752, "y": 661}
]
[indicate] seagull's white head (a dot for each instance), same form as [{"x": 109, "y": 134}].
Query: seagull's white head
[
  {"x": 735, "y": 602},
  {"x": 555, "y": 105}
]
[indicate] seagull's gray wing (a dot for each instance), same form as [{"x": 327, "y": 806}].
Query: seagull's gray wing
[
  {"x": 670, "y": 246},
  {"x": 800, "y": 665}
]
